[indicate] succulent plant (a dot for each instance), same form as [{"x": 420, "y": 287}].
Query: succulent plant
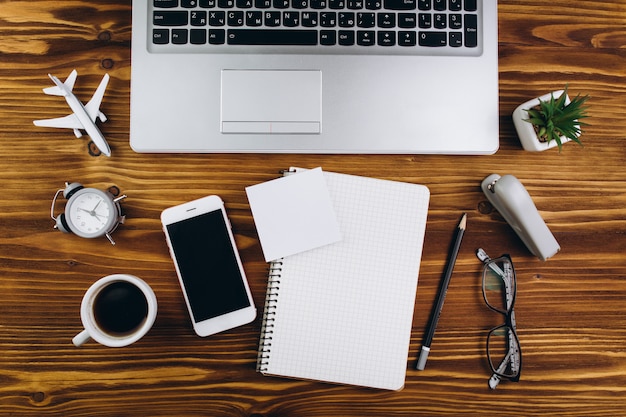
[{"x": 554, "y": 118}]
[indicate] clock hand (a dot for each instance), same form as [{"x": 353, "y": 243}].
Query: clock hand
[
  {"x": 97, "y": 215},
  {"x": 97, "y": 204},
  {"x": 92, "y": 213}
]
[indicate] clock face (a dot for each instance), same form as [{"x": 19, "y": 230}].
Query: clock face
[{"x": 90, "y": 213}]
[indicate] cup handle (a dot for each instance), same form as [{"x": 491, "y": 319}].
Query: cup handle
[{"x": 81, "y": 338}]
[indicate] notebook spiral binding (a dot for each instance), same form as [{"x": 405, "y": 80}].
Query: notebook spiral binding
[{"x": 269, "y": 315}]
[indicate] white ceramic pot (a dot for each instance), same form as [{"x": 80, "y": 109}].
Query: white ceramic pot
[{"x": 526, "y": 132}]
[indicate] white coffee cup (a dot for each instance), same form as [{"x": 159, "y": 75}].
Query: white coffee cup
[{"x": 117, "y": 310}]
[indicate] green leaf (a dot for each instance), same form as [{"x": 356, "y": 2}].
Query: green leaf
[{"x": 553, "y": 118}]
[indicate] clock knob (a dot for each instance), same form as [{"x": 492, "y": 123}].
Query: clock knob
[
  {"x": 61, "y": 224},
  {"x": 71, "y": 188}
]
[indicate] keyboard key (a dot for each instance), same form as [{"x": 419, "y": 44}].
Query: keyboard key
[
  {"x": 309, "y": 19},
  {"x": 424, "y": 4},
  {"x": 386, "y": 38},
  {"x": 400, "y": 4},
  {"x": 365, "y": 37},
  {"x": 456, "y": 22},
  {"x": 373, "y": 4},
  {"x": 440, "y": 21},
  {"x": 165, "y": 4},
  {"x": 179, "y": 36},
  {"x": 425, "y": 20},
  {"x": 355, "y": 4},
  {"x": 271, "y": 37},
  {"x": 456, "y": 39},
  {"x": 188, "y": 4},
  {"x": 433, "y": 39},
  {"x": 455, "y": 5},
  {"x": 217, "y": 18},
  {"x": 217, "y": 36},
  {"x": 407, "y": 20},
  {"x": 328, "y": 37},
  {"x": 346, "y": 19},
  {"x": 346, "y": 37},
  {"x": 281, "y": 4},
  {"x": 406, "y": 38},
  {"x": 439, "y": 5},
  {"x": 386, "y": 20},
  {"x": 254, "y": 18},
  {"x": 197, "y": 36},
  {"x": 300, "y": 4},
  {"x": 272, "y": 18},
  {"x": 471, "y": 30},
  {"x": 471, "y": 5},
  {"x": 160, "y": 36},
  {"x": 365, "y": 20},
  {"x": 319, "y": 4},
  {"x": 235, "y": 18},
  {"x": 291, "y": 19},
  {"x": 328, "y": 19},
  {"x": 170, "y": 18},
  {"x": 198, "y": 18}
]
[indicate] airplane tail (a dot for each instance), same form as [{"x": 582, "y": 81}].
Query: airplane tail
[
  {"x": 69, "y": 83},
  {"x": 53, "y": 91}
]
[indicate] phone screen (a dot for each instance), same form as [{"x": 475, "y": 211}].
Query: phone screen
[{"x": 208, "y": 265}]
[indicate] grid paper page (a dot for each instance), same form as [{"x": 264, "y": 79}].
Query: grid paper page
[{"x": 344, "y": 312}]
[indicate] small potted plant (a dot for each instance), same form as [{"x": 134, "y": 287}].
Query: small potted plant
[{"x": 550, "y": 120}]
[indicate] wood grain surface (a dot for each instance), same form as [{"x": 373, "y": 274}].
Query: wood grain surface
[{"x": 571, "y": 310}]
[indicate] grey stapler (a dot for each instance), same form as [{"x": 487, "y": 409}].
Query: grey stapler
[{"x": 510, "y": 198}]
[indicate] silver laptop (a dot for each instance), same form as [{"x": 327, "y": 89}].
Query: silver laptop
[{"x": 315, "y": 76}]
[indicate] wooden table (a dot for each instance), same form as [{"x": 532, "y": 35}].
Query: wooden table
[{"x": 571, "y": 310}]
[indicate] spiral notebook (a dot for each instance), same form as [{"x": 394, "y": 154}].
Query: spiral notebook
[{"x": 343, "y": 313}]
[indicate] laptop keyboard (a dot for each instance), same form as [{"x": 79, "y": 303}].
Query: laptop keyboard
[{"x": 404, "y": 27}]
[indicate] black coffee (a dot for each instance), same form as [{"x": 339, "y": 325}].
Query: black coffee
[{"x": 119, "y": 308}]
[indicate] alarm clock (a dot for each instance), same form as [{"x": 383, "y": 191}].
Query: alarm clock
[{"x": 89, "y": 212}]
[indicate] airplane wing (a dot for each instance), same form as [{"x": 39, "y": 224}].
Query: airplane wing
[
  {"x": 93, "y": 106},
  {"x": 68, "y": 122},
  {"x": 69, "y": 83}
]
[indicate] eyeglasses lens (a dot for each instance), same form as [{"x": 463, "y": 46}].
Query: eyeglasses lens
[
  {"x": 499, "y": 285},
  {"x": 503, "y": 351}
]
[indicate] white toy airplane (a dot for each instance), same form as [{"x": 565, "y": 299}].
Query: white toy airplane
[{"x": 83, "y": 117}]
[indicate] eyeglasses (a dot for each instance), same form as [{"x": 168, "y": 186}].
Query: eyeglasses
[{"x": 503, "y": 348}]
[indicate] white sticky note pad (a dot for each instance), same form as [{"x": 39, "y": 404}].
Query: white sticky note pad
[{"x": 293, "y": 214}]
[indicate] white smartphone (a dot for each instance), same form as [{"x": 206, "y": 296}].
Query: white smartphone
[{"x": 208, "y": 265}]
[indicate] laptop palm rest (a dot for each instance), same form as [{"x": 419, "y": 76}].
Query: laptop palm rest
[{"x": 271, "y": 101}]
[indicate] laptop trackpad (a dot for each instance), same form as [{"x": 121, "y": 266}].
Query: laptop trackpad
[{"x": 270, "y": 101}]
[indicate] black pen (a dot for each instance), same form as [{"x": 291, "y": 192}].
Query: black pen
[{"x": 421, "y": 362}]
